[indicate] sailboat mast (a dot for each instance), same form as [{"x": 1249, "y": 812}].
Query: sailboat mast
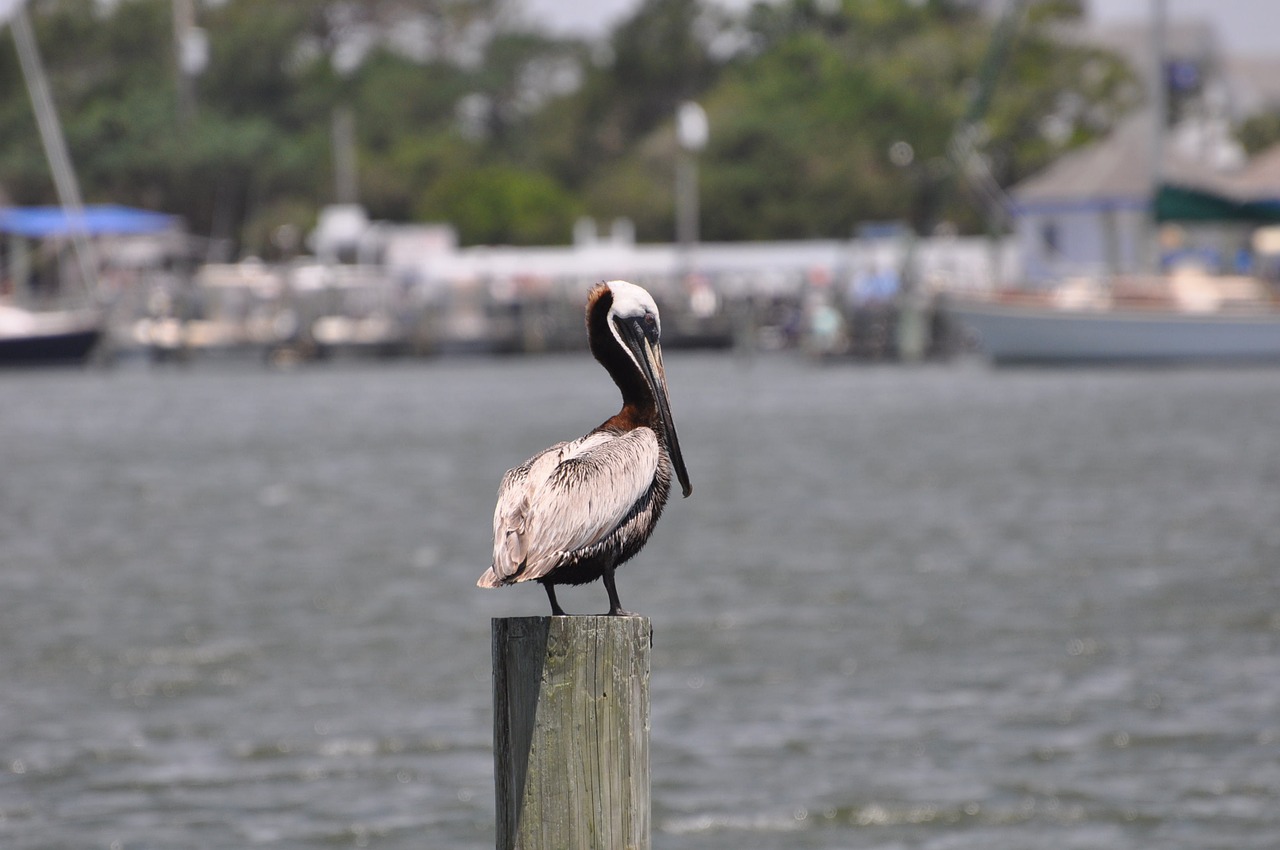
[
  {"x": 1159, "y": 118},
  {"x": 55, "y": 145}
]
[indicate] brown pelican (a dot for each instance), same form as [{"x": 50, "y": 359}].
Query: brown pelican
[{"x": 572, "y": 513}]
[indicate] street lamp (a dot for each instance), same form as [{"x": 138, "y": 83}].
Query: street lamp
[{"x": 691, "y": 134}]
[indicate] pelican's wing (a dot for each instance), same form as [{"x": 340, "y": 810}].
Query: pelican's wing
[
  {"x": 571, "y": 497},
  {"x": 511, "y": 516}
]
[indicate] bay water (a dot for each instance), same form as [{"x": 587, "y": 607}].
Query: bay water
[{"x": 939, "y": 607}]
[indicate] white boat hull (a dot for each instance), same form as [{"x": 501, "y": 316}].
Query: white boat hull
[
  {"x": 29, "y": 338},
  {"x": 1019, "y": 333}
]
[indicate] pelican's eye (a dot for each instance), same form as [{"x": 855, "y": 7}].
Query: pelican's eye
[{"x": 650, "y": 322}]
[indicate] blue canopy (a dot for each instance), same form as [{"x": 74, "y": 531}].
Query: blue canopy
[{"x": 42, "y": 222}]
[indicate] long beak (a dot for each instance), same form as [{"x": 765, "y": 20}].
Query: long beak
[{"x": 650, "y": 360}]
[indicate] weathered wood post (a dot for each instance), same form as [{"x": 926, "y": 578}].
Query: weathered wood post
[{"x": 571, "y": 732}]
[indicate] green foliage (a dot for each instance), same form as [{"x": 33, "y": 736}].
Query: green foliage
[
  {"x": 795, "y": 149},
  {"x": 477, "y": 125},
  {"x": 1260, "y": 132},
  {"x": 803, "y": 116},
  {"x": 499, "y": 204}
]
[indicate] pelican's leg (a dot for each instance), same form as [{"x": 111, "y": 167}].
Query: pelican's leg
[
  {"x": 615, "y": 607},
  {"x": 556, "y": 610}
]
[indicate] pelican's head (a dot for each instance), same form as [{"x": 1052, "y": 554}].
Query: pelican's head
[{"x": 634, "y": 322}]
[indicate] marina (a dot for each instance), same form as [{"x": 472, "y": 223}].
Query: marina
[{"x": 424, "y": 297}]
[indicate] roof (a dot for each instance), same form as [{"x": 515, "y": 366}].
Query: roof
[
  {"x": 1259, "y": 180},
  {"x": 1251, "y": 194},
  {"x": 1112, "y": 172},
  {"x": 98, "y": 220}
]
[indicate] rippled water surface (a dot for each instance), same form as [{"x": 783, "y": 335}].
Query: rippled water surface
[{"x": 940, "y": 608}]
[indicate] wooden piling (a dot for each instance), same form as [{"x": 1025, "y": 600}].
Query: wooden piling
[{"x": 571, "y": 732}]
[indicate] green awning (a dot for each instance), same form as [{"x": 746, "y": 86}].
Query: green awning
[{"x": 1179, "y": 203}]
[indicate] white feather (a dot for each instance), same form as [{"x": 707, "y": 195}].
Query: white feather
[
  {"x": 569, "y": 497},
  {"x": 631, "y": 301}
]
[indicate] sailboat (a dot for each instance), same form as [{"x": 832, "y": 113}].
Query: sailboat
[
  {"x": 1202, "y": 306},
  {"x": 32, "y": 330},
  {"x": 1103, "y": 288},
  {"x": 47, "y": 337},
  {"x": 31, "y": 336},
  {"x": 1158, "y": 323}
]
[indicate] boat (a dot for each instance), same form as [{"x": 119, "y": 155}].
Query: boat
[
  {"x": 1156, "y": 244},
  {"x": 49, "y": 337},
  {"x": 56, "y": 333},
  {"x": 52, "y": 316},
  {"x": 1174, "y": 320}
]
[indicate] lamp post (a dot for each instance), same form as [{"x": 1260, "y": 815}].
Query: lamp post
[
  {"x": 691, "y": 134},
  {"x": 1160, "y": 106},
  {"x": 191, "y": 45}
]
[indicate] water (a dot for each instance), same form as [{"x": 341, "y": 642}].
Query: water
[{"x": 932, "y": 608}]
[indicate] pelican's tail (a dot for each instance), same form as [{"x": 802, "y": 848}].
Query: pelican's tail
[{"x": 491, "y": 578}]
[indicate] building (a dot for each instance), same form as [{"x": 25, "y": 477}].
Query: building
[
  {"x": 1092, "y": 213},
  {"x": 1089, "y": 213}
]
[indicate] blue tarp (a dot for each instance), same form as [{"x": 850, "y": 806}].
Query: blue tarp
[{"x": 42, "y": 222}]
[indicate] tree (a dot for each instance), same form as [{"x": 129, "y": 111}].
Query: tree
[
  {"x": 460, "y": 114},
  {"x": 1260, "y": 132},
  {"x": 499, "y": 204},
  {"x": 804, "y": 114},
  {"x": 655, "y": 59}
]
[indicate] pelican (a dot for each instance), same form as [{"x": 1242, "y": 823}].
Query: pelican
[{"x": 572, "y": 513}]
